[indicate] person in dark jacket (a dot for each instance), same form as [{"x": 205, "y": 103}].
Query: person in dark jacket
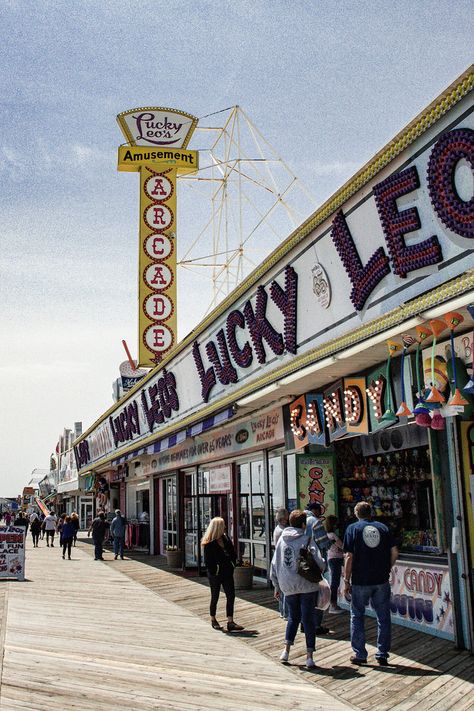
[
  {"x": 98, "y": 528},
  {"x": 67, "y": 535},
  {"x": 76, "y": 526},
  {"x": 220, "y": 560},
  {"x": 35, "y": 528}
]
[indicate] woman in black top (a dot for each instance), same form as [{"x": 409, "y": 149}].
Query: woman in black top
[{"x": 220, "y": 559}]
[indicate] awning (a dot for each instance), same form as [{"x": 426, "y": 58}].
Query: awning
[{"x": 178, "y": 437}]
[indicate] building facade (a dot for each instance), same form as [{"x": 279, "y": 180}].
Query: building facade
[{"x": 294, "y": 388}]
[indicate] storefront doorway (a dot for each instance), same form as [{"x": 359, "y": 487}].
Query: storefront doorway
[
  {"x": 253, "y": 518},
  {"x": 201, "y": 504},
  {"x": 86, "y": 514}
]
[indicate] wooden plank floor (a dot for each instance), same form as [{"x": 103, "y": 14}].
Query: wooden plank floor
[
  {"x": 425, "y": 672},
  {"x": 81, "y": 635}
]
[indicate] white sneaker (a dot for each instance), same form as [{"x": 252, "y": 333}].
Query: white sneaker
[
  {"x": 335, "y": 610},
  {"x": 284, "y": 656},
  {"x": 310, "y": 663}
]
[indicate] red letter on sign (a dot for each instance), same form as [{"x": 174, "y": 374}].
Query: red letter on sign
[
  {"x": 158, "y": 219},
  {"x": 158, "y": 189},
  {"x": 159, "y": 306},
  {"x": 156, "y": 248},
  {"x": 158, "y": 277},
  {"x": 158, "y": 334}
]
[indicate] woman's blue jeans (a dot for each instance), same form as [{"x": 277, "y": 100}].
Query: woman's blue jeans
[
  {"x": 301, "y": 609},
  {"x": 379, "y": 596}
]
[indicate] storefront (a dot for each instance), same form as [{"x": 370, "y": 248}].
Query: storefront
[
  {"x": 389, "y": 252},
  {"x": 236, "y": 470},
  {"x": 353, "y": 443}
]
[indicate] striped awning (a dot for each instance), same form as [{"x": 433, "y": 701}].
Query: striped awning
[{"x": 178, "y": 437}]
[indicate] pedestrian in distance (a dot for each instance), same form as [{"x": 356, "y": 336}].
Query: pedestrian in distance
[
  {"x": 98, "y": 528},
  {"x": 21, "y": 520},
  {"x": 281, "y": 521},
  {"x": 76, "y": 525},
  {"x": 7, "y": 517},
  {"x": 118, "y": 528},
  {"x": 35, "y": 528},
  {"x": 315, "y": 528},
  {"x": 220, "y": 560},
  {"x": 300, "y": 593},
  {"x": 370, "y": 554},
  {"x": 335, "y": 562},
  {"x": 67, "y": 536},
  {"x": 59, "y": 528},
  {"x": 50, "y": 523}
]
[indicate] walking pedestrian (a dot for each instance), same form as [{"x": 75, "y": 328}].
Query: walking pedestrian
[
  {"x": 59, "y": 528},
  {"x": 220, "y": 560},
  {"x": 8, "y": 518},
  {"x": 76, "y": 526},
  {"x": 300, "y": 593},
  {"x": 335, "y": 561},
  {"x": 98, "y": 528},
  {"x": 281, "y": 520},
  {"x": 67, "y": 535},
  {"x": 50, "y": 522},
  {"x": 315, "y": 528},
  {"x": 117, "y": 529},
  {"x": 35, "y": 528},
  {"x": 370, "y": 554}
]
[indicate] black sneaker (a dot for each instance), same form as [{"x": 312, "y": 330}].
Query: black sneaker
[
  {"x": 382, "y": 661},
  {"x": 357, "y": 660}
]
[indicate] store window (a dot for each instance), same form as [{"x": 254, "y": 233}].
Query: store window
[
  {"x": 276, "y": 483},
  {"x": 291, "y": 482},
  {"x": 252, "y": 519},
  {"x": 396, "y": 480},
  {"x": 170, "y": 508}
]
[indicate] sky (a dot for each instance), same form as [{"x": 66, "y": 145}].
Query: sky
[{"x": 327, "y": 83}]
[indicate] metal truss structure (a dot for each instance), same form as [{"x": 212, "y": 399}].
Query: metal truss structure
[{"x": 242, "y": 203}]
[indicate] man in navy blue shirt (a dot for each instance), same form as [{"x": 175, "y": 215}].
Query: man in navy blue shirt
[{"x": 370, "y": 554}]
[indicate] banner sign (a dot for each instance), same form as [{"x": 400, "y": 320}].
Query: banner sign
[
  {"x": 12, "y": 552},
  {"x": 260, "y": 432},
  {"x": 316, "y": 482},
  {"x": 157, "y": 126},
  {"x": 420, "y": 598},
  {"x": 42, "y": 506}
]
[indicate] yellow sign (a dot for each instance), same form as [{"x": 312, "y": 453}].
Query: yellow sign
[
  {"x": 157, "y": 264},
  {"x": 157, "y": 138},
  {"x": 157, "y": 126},
  {"x": 132, "y": 158}
]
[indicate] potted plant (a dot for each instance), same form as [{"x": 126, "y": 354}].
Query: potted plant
[
  {"x": 174, "y": 557},
  {"x": 243, "y": 575}
]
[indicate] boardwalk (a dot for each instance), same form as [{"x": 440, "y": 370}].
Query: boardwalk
[
  {"x": 427, "y": 673},
  {"x": 82, "y": 635}
]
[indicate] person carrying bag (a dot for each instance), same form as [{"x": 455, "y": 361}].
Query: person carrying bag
[{"x": 293, "y": 573}]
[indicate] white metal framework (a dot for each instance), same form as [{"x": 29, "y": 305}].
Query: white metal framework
[{"x": 240, "y": 205}]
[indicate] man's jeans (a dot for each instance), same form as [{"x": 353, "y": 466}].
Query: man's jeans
[
  {"x": 379, "y": 596},
  {"x": 118, "y": 545},
  {"x": 301, "y": 609},
  {"x": 98, "y": 548}
]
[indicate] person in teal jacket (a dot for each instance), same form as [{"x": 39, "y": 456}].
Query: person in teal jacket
[{"x": 117, "y": 529}]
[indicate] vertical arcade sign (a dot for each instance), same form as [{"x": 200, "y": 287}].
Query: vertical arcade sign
[{"x": 156, "y": 143}]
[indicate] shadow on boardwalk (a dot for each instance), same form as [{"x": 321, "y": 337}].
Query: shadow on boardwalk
[{"x": 425, "y": 672}]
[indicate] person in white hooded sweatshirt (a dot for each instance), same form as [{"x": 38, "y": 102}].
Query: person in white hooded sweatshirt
[{"x": 300, "y": 594}]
